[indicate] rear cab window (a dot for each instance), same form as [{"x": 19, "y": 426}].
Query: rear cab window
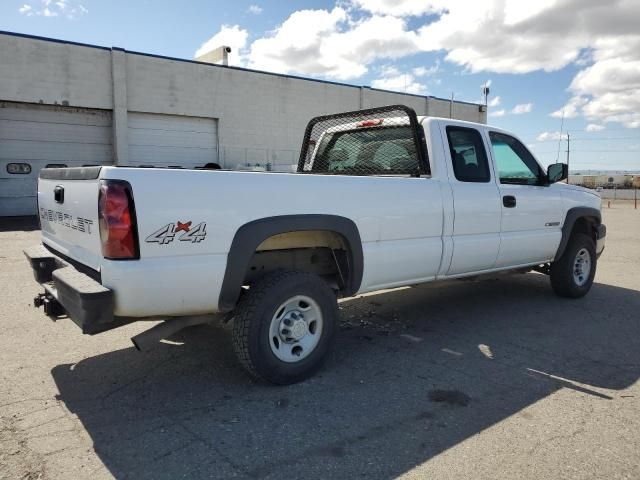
[
  {"x": 368, "y": 151},
  {"x": 468, "y": 155}
]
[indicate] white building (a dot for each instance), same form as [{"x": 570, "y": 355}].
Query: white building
[
  {"x": 64, "y": 103},
  {"x": 606, "y": 180}
]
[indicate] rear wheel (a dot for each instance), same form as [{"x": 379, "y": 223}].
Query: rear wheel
[
  {"x": 572, "y": 274},
  {"x": 284, "y": 326}
]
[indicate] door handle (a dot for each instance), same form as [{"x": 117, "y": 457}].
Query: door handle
[
  {"x": 509, "y": 201},
  {"x": 58, "y": 194}
]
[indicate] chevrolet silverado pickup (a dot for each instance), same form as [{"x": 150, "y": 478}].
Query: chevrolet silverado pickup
[{"x": 381, "y": 198}]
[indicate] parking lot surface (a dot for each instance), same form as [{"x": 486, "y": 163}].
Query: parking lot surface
[{"x": 494, "y": 378}]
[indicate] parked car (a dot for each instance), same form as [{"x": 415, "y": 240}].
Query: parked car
[{"x": 382, "y": 198}]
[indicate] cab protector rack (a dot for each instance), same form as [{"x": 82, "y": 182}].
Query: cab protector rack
[{"x": 367, "y": 124}]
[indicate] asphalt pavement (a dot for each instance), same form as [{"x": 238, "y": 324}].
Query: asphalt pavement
[{"x": 494, "y": 378}]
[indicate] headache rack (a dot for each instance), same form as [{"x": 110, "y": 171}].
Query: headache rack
[{"x": 377, "y": 141}]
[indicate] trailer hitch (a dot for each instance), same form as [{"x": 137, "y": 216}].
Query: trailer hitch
[{"x": 52, "y": 307}]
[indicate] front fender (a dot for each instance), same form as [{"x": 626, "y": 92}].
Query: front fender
[{"x": 570, "y": 220}]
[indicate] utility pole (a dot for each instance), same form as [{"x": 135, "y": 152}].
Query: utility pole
[{"x": 568, "y": 151}]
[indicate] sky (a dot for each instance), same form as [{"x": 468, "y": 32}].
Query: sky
[{"x": 552, "y": 66}]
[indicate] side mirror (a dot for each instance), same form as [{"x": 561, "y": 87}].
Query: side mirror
[{"x": 557, "y": 172}]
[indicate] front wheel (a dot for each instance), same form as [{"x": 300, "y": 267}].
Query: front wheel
[
  {"x": 572, "y": 274},
  {"x": 284, "y": 326}
]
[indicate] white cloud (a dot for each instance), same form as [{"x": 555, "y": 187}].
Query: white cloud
[
  {"x": 297, "y": 46},
  {"x": 231, "y": 36},
  {"x": 396, "y": 8},
  {"x": 513, "y": 36},
  {"x": 427, "y": 71},
  {"x": 600, "y": 39},
  {"x": 519, "y": 109},
  {"x": 389, "y": 71},
  {"x": 546, "y": 136},
  {"x": 49, "y": 8},
  {"x": 593, "y": 127},
  {"x": 518, "y": 11},
  {"x": 400, "y": 83},
  {"x": 330, "y": 43},
  {"x": 255, "y": 9},
  {"x": 522, "y": 108},
  {"x": 500, "y": 36},
  {"x": 611, "y": 89},
  {"x": 571, "y": 109},
  {"x": 391, "y": 78}
]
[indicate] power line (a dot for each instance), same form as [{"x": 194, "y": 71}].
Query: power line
[
  {"x": 524, "y": 131},
  {"x": 592, "y": 151},
  {"x": 568, "y": 151},
  {"x": 590, "y": 139},
  {"x": 604, "y": 129},
  {"x": 627, "y": 169}
]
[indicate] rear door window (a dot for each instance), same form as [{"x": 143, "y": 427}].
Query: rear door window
[{"x": 468, "y": 155}]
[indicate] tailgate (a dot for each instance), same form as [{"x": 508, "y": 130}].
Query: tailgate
[{"x": 68, "y": 211}]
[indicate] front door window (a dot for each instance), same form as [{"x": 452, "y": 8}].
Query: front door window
[{"x": 515, "y": 163}]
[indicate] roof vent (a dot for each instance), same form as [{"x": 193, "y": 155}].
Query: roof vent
[{"x": 217, "y": 56}]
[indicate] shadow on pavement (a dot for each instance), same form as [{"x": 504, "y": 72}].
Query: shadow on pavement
[
  {"x": 23, "y": 224},
  {"x": 414, "y": 372}
]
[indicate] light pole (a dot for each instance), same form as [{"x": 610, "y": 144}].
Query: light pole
[
  {"x": 485, "y": 92},
  {"x": 568, "y": 151}
]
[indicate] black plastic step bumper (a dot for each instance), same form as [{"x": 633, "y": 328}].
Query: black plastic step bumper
[{"x": 69, "y": 291}]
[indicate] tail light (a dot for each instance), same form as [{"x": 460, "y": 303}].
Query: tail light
[
  {"x": 117, "y": 219},
  {"x": 370, "y": 123}
]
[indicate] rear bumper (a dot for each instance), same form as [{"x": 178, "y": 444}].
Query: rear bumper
[
  {"x": 89, "y": 304},
  {"x": 601, "y": 236}
]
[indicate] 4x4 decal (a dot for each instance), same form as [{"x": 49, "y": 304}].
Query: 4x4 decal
[{"x": 168, "y": 233}]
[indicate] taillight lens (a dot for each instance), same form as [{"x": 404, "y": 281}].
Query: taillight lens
[
  {"x": 117, "y": 218},
  {"x": 370, "y": 123}
]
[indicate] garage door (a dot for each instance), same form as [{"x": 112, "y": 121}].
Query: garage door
[
  {"x": 172, "y": 140},
  {"x": 35, "y": 136}
]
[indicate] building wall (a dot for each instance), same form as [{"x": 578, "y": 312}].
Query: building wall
[
  {"x": 35, "y": 136},
  {"x": 36, "y": 71},
  {"x": 606, "y": 181},
  {"x": 261, "y": 117}
]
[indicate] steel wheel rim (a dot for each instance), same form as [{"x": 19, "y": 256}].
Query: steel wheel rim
[
  {"x": 296, "y": 329},
  {"x": 582, "y": 267}
]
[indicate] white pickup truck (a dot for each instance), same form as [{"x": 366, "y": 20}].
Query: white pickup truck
[{"x": 382, "y": 198}]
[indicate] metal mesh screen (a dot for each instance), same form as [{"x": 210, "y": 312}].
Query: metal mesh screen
[{"x": 377, "y": 141}]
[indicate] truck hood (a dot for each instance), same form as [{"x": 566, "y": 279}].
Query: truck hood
[{"x": 576, "y": 188}]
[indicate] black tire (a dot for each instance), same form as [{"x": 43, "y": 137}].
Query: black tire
[
  {"x": 562, "y": 276},
  {"x": 252, "y": 321}
]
